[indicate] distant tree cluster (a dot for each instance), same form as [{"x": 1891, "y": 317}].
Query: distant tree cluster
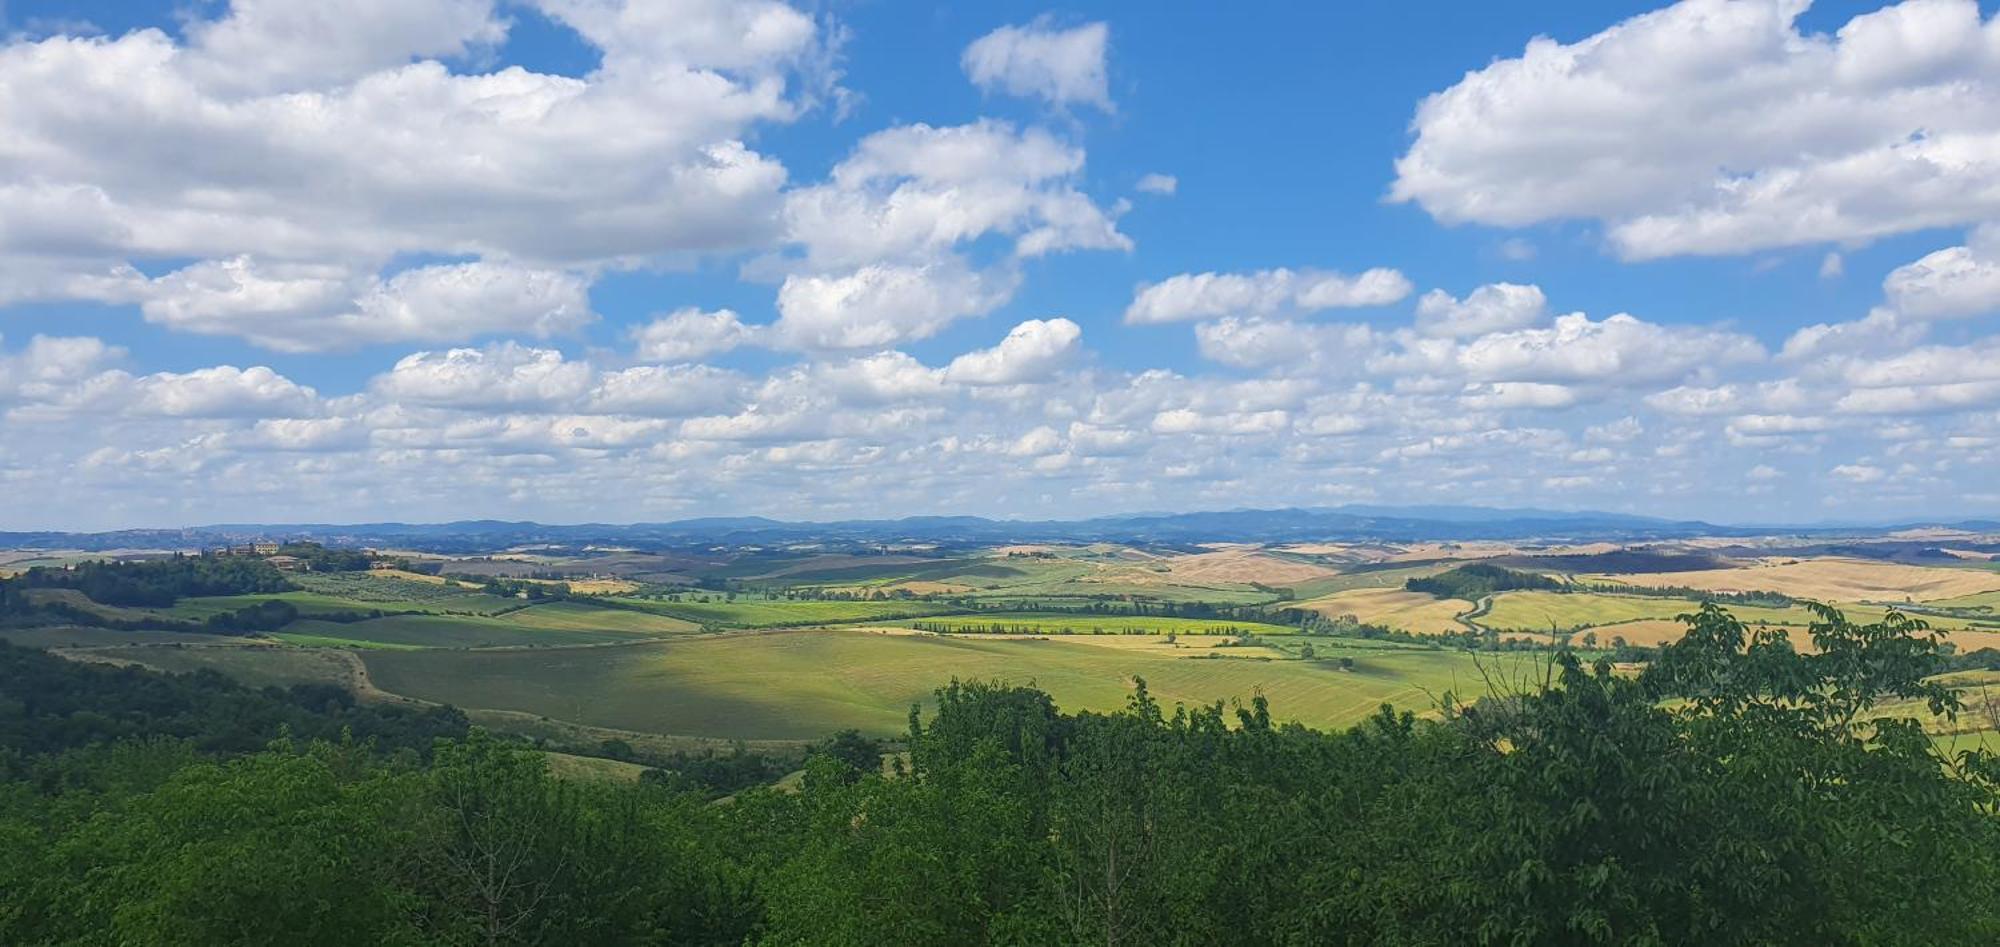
[
  {"x": 1755, "y": 599},
  {"x": 534, "y": 591},
  {"x": 1478, "y": 580},
  {"x": 157, "y": 583},
  {"x": 319, "y": 558}
]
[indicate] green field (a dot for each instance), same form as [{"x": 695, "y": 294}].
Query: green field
[
  {"x": 805, "y": 684},
  {"x": 1034, "y": 624},
  {"x": 1538, "y": 611},
  {"x": 1029, "y": 582},
  {"x": 76, "y": 636},
  {"x": 777, "y": 613},
  {"x": 257, "y": 666},
  {"x": 528, "y": 627},
  {"x": 1989, "y": 601},
  {"x": 582, "y": 615},
  {"x": 320, "y": 603}
]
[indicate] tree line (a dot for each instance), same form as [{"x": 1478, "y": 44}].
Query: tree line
[{"x": 152, "y": 583}]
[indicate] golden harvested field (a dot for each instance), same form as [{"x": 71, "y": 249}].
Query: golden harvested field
[
  {"x": 602, "y": 586},
  {"x": 1414, "y": 612},
  {"x": 405, "y": 574},
  {"x": 1243, "y": 566},
  {"x": 1830, "y": 580},
  {"x": 592, "y": 769}
]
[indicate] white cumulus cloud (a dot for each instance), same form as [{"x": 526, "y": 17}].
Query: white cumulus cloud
[
  {"x": 1039, "y": 60},
  {"x": 1719, "y": 126}
]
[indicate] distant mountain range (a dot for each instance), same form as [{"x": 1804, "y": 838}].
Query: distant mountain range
[{"x": 1336, "y": 524}]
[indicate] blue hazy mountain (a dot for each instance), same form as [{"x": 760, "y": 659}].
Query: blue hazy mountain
[{"x": 1350, "y": 523}]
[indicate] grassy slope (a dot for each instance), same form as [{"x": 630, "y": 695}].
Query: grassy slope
[
  {"x": 472, "y": 631},
  {"x": 805, "y": 684},
  {"x": 584, "y": 616},
  {"x": 761, "y": 613},
  {"x": 253, "y": 665},
  {"x": 320, "y": 603}
]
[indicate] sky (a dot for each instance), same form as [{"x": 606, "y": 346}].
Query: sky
[{"x": 635, "y": 260}]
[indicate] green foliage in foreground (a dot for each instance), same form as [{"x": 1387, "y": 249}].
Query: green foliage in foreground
[{"x": 1738, "y": 794}]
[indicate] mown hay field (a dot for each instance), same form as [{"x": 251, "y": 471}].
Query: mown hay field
[
  {"x": 1827, "y": 580},
  {"x": 1415, "y": 612}
]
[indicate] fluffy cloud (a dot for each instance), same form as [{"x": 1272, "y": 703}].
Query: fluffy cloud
[
  {"x": 1191, "y": 296},
  {"x": 223, "y": 391},
  {"x": 386, "y": 152},
  {"x": 49, "y": 363},
  {"x": 1268, "y": 343},
  {"x": 1029, "y": 353},
  {"x": 667, "y": 391},
  {"x": 1719, "y": 127},
  {"x": 1951, "y": 283},
  {"x": 917, "y": 191},
  {"x": 1492, "y": 308},
  {"x": 1620, "y": 350},
  {"x": 1882, "y": 330},
  {"x": 536, "y": 166},
  {"x": 498, "y": 376},
  {"x": 1927, "y": 379},
  {"x": 1500, "y": 396},
  {"x": 265, "y": 46},
  {"x": 883, "y": 238},
  {"x": 689, "y": 334},
  {"x": 1040, "y": 61},
  {"x": 310, "y": 307},
  {"x": 881, "y": 305},
  {"x": 882, "y": 378},
  {"x": 1156, "y": 183}
]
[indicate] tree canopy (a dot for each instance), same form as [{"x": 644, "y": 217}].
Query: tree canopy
[{"x": 1736, "y": 792}]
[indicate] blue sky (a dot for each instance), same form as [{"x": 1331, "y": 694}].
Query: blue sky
[{"x": 286, "y": 192}]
